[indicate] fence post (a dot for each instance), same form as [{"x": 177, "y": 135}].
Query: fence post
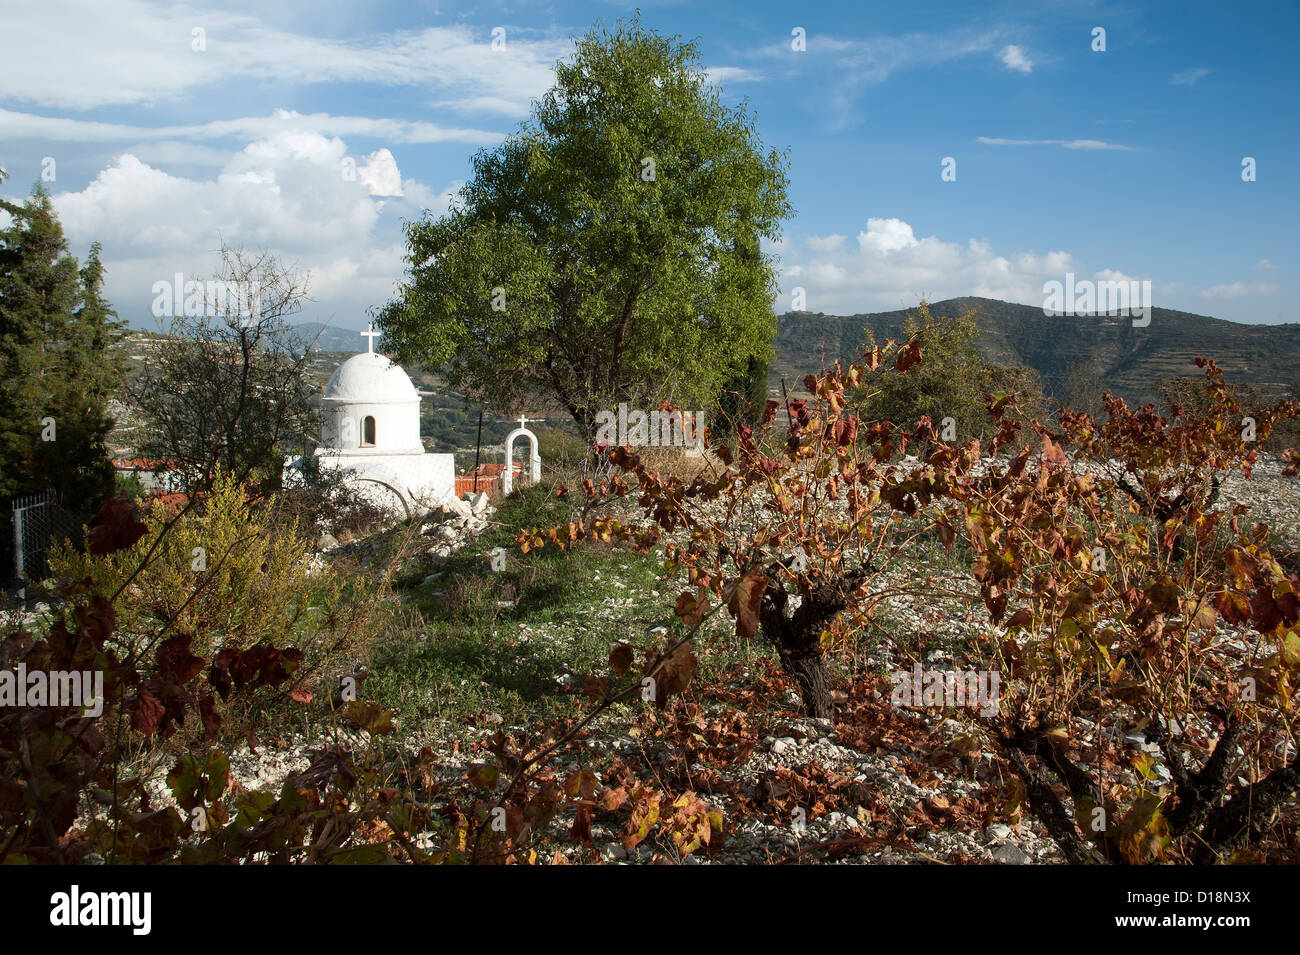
[
  {"x": 478, "y": 444},
  {"x": 17, "y": 516}
]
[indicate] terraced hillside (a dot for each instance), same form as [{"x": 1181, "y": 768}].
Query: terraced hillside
[{"x": 1128, "y": 360}]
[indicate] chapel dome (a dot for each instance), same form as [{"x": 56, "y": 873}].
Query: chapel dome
[{"x": 371, "y": 379}]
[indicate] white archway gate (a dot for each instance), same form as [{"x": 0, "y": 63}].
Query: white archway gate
[{"x": 534, "y": 459}]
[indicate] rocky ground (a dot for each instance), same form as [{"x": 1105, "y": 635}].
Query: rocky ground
[{"x": 882, "y": 784}]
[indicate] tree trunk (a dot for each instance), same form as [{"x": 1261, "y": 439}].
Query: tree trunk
[
  {"x": 797, "y": 638},
  {"x": 809, "y": 671}
]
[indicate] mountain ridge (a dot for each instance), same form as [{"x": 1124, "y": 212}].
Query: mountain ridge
[{"x": 1126, "y": 359}]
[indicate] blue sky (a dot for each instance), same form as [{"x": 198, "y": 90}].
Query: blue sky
[{"x": 1126, "y": 162}]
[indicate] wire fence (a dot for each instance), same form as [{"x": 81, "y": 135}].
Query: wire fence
[{"x": 37, "y": 521}]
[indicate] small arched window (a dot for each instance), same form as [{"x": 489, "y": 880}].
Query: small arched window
[{"x": 368, "y": 431}]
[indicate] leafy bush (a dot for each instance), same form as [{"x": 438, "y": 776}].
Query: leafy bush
[
  {"x": 326, "y": 500},
  {"x": 1131, "y": 605},
  {"x": 811, "y": 517},
  {"x": 67, "y": 796},
  {"x": 950, "y": 383},
  {"x": 1106, "y": 579},
  {"x": 562, "y": 450},
  {"x": 220, "y": 574},
  {"x": 1186, "y": 397},
  {"x": 129, "y": 483}
]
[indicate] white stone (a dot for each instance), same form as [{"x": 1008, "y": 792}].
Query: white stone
[
  {"x": 1010, "y": 854},
  {"x": 998, "y": 832}
]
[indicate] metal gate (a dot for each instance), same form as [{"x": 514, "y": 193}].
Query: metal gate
[{"x": 37, "y": 521}]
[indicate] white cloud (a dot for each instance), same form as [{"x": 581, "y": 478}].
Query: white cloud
[
  {"x": 850, "y": 64},
  {"x": 1014, "y": 58},
  {"x": 136, "y": 51},
  {"x": 886, "y": 235},
  {"x": 1189, "y": 77},
  {"x": 16, "y": 125},
  {"x": 892, "y": 267},
  {"x": 1064, "y": 143},
  {"x": 174, "y": 152},
  {"x": 874, "y": 59},
  {"x": 730, "y": 74},
  {"x": 380, "y": 175},
  {"x": 825, "y": 244},
  {"x": 291, "y": 194},
  {"x": 1264, "y": 265},
  {"x": 1238, "y": 290}
]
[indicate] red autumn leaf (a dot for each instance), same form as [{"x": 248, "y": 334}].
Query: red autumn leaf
[
  {"x": 675, "y": 674},
  {"x": 148, "y": 713},
  {"x": 745, "y": 599},
  {"x": 581, "y": 829},
  {"x": 115, "y": 527},
  {"x": 1233, "y": 606},
  {"x": 612, "y": 799},
  {"x": 692, "y": 608},
  {"x": 1020, "y": 619},
  {"x": 998, "y": 402},
  {"x": 484, "y": 775},
  {"x": 1053, "y": 456},
  {"x": 96, "y": 620},
  {"x": 209, "y": 715},
  {"x": 850, "y": 431},
  {"x": 620, "y": 659},
  {"x": 1164, "y": 594},
  {"x": 908, "y": 355},
  {"x": 176, "y": 662},
  {"x": 594, "y": 688}
]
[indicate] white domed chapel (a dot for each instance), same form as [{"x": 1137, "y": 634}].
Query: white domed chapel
[{"x": 370, "y": 432}]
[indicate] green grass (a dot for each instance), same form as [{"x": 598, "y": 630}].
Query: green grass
[
  {"x": 520, "y": 642},
  {"x": 503, "y": 641}
]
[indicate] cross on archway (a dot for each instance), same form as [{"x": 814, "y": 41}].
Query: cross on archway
[
  {"x": 370, "y": 335},
  {"x": 533, "y": 469}
]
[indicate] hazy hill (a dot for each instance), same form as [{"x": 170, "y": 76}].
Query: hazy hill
[
  {"x": 330, "y": 338},
  {"x": 1129, "y": 360}
]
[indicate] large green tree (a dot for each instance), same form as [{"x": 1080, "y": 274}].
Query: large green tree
[
  {"x": 57, "y": 367},
  {"x": 610, "y": 250}
]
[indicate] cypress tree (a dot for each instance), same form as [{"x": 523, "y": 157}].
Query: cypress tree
[{"x": 57, "y": 366}]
